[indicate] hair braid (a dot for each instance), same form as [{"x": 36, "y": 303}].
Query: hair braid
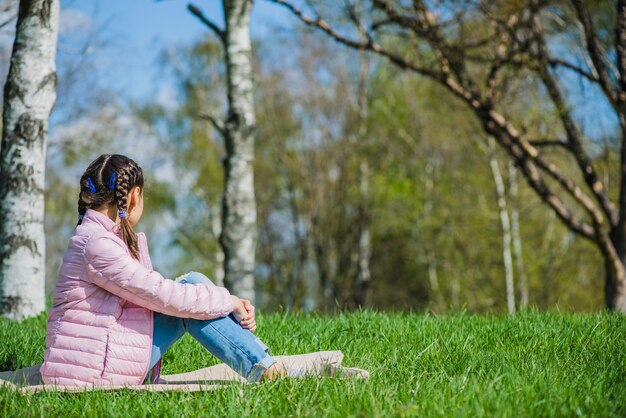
[
  {"x": 124, "y": 183},
  {"x": 86, "y": 198},
  {"x": 82, "y": 205},
  {"x": 128, "y": 175}
]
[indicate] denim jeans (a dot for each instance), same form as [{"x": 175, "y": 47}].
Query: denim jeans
[{"x": 224, "y": 337}]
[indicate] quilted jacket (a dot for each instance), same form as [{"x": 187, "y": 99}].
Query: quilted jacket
[{"x": 99, "y": 329}]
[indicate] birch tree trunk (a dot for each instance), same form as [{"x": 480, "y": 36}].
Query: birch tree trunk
[
  {"x": 239, "y": 234},
  {"x": 517, "y": 240},
  {"x": 216, "y": 226},
  {"x": 29, "y": 94},
  {"x": 431, "y": 247},
  {"x": 363, "y": 278},
  {"x": 506, "y": 227}
]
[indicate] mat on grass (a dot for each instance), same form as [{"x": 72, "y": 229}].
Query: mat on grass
[{"x": 319, "y": 363}]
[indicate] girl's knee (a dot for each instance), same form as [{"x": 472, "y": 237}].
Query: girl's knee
[{"x": 196, "y": 277}]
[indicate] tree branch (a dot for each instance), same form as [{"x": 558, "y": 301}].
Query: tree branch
[
  {"x": 369, "y": 44},
  {"x": 596, "y": 56},
  {"x": 425, "y": 25},
  {"x": 198, "y": 13},
  {"x": 9, "y": 20},
  {"x": 539, "y": 143},
  {"x": 571, "y": 131},
  {"x": 522, "y": 152},
  {"x": 529, "y": 163},
  {"x": 217, "y": 124},
  {"x": 620, "y": 43},
  {"x": 504, "y": 55},
  {"x": 556, "y": 62}
]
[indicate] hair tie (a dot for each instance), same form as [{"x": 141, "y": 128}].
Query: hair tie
[
  {"x": 122, "y": 213},
  {"x": 80, "y": 216},
  {"x": 112, "y": 181},
  {"x": 92, "y": 187}
]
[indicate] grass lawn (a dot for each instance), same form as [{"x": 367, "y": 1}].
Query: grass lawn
[{"x": 531, "y": 364}]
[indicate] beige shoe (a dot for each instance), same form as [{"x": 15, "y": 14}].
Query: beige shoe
[{"x": 349, "y": 372}]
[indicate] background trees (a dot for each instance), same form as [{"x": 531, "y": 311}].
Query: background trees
[
  {"x": 360, "y": 167},
  {"x": 485, "y": 53},
  {"x": 433, "y": 213}
]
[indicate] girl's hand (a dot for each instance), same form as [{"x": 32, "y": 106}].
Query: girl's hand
[
  {"x": 244, "y": 312},
  {"x": 240, "y": 311},
  {"x": 249, "y": 321}
]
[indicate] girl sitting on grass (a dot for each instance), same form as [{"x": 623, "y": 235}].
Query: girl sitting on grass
[{"x": 114, "y": 317}]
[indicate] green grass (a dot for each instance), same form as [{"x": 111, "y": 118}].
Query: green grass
[{"x": 531, "y": 364}]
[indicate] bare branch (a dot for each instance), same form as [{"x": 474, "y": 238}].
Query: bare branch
[
  {"x": 217, "y": 123},
  {"x": 425, "y": 25},
  {"x": 540, "y": 143},
  {"x": 527, "y": 159},
  {"x": 551, "y": 199},
  {"x": 556, "y": 62},
  {"x": 368, "y": 44},
  {"x": 620, "y": 44},
  {"x": 198, "y": 13},
  {"x": 9, "y": 20},
  {"x": 593, "y": 47},
  {"x": 571, "y": 131},
  {"x": 523, "y": 153},
  {"x": 505, "y": 55}
]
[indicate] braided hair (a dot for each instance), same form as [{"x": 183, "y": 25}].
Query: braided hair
[{"x": 106, "y": 182}]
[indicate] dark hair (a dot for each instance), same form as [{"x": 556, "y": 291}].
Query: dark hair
[{"x": 128, "y": 175}]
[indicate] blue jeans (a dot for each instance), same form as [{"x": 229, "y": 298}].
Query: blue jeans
[{"x": 224, "y": 337}]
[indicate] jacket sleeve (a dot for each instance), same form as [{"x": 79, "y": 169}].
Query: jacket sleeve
[{"x": 111, "y": 267}]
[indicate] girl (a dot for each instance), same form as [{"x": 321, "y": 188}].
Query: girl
[{"x": 114, "y": 317}]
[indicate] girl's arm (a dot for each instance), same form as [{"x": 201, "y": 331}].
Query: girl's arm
[{"x": 112, "y": 268}]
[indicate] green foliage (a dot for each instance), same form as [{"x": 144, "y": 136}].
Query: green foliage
[
  {"x": 431, "y": 206},
  {"x": 529, "y": 364}
]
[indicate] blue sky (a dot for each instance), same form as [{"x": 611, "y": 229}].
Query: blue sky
[
  {"x": 136, "y": 31},
  {"x": 139, "y": 29}
]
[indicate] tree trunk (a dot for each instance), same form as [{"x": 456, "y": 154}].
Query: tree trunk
[
  {"x": 296, "y": 287},
  {"x": 216, "y": 226},
  {"x": 615, "y": 293},
  {"x": 437, "y": 296},
  {"x": 326, "y": 289},
  {"x": 239, "y": 235},
  {"x": 365, "y": 247},
  {"x": 363, "y": 278},
  {"x": 615, "y": 273},
  {"x": 517, "y": 239},
  {"x": 506, "y": 227},
  {"x": 29, "y": 94}
]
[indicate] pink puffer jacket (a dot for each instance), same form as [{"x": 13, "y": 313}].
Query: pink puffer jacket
[{"x": 99, "y": 328}]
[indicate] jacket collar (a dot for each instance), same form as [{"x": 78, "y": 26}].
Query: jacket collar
[{"x": 95, "y": 217}]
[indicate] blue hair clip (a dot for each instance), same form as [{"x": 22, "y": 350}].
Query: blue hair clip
[
  {"x": 112, "y": 181},
  {"x": 92, "y": 187},
  {"x": 122, "y": 213},
  {"x": 80, "y": 216}
]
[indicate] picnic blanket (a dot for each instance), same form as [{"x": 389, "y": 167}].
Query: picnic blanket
[{"x": 320, "y": 363}]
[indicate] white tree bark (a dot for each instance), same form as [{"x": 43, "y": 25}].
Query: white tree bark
[
  {"x": 517, "y": 239},
  {"x": 216, "y": 226},
  {"x": 431, "y": 248},
  {"x": 239, "y": 234},
  {"x": 506, "y": 227},
  {"x": 365, "y": 246},
  {"x": 29, "y": 94}
]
